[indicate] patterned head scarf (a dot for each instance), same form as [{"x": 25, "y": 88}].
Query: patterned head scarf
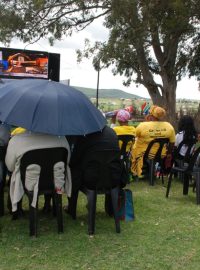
[
  {"x": 157, "y": 112},
  {"x": 123, "y": 116}
]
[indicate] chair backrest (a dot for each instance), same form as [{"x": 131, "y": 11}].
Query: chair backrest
[
  {"x": 46, "y": 158},
  {"x": 102, "y": 169},
  {"x": 126, "y": 143},
  {"x": 125, "y": 140},
  {"x": 161, "y": 142},
  {"x": 193, "y": 159}
]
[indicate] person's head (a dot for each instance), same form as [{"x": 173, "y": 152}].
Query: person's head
[
  {"x": 122, "y": 117},
  {"x": 156, "y": 113},
  {"x": 186, "y": 124}
]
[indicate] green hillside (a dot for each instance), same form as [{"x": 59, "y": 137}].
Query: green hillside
[{"x": 106, "y": 93}]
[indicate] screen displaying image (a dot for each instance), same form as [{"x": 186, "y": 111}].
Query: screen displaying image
[{"x": 23, "y": 63}]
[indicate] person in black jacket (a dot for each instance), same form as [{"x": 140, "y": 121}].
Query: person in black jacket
[{"x": 105, "y": 139}]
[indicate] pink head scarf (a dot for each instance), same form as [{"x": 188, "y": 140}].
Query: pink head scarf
[{"x": 123, "y": 116}]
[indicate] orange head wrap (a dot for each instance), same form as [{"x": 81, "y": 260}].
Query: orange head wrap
[{"x": 157, "y": 112}]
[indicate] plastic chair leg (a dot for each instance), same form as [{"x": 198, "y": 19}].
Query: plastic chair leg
[
  {"x": 92, "y": 198},
  {"x": 185, "y": 184},
  {"x": 59, "y": 215},
  {"x": 1, "y": 201},
  {"x": 162, "y": 177},
  {"x": 114, "y": 197},
  {"x": 72, "y": 204},
  {"x": 32, "y": 216},
  {"x": 169, "y": 184},
  {"x": 108, "y": 204},
  {"x": 48, "y": 197},
  {"x": 2, "y": 184},
  {"x": 54, "y": 206},
  {"x": 197, "y": 176},
  {"x": 151, "y": 172}
]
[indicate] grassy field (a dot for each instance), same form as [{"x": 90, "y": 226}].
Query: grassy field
[{"x": 164, "y": 235}]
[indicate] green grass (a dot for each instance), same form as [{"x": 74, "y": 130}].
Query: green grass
[{"x": 164, "y": 235}]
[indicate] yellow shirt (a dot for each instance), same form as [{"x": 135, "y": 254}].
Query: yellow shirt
[
  {"x": 125, "y": 130},
  {"x": 145, "y": 133}
]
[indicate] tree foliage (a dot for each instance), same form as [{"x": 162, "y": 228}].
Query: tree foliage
[
  {"x": 31, "y": 20},
  {"x": 151, "y": 42},
  {"x": 154, "y": 43}
]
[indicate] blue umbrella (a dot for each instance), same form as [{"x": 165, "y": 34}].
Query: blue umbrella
[{"x": 48, "y": 107}]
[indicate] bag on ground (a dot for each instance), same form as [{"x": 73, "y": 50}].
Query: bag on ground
[{"x": 125, "y": 205}]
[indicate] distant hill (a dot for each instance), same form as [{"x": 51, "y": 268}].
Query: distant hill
[{"x": 106, "y": 93}]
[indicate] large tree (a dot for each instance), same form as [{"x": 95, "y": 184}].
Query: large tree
[{"x": 151, "y": 42}]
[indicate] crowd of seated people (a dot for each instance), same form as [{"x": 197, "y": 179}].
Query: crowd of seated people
[{"x": 153, "y": 127}]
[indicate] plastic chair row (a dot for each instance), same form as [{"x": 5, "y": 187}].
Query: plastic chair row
[{"x": 99, "y": 177}]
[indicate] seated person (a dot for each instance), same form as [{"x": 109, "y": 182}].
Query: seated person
[
  {"x": 123, "y": 117},
  {"x": 47, "y": 197},
  {"x": 153, "y": 127},
  {"x": 22, "y": 143},
  {"x": 186, "y": 132},
  {"x": 106, "y": 139}
]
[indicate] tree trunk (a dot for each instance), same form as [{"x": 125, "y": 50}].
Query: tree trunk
[
  {"x": 167, "y": 100},
  {"x": 169, "y": 97},
  {"x": 197, "y": 120},
  {"x": 170, "y": 107}
]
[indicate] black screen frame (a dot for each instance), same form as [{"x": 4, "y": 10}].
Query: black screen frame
[{"x": 53, "y": 71}]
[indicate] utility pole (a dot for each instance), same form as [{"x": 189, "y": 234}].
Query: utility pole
[{"x": 97, "y": 93}]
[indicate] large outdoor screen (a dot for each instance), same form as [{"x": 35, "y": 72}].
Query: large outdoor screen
[{"x": 15, "y": 63}]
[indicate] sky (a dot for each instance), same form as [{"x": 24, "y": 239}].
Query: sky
[{"x": 84, "y": 75}]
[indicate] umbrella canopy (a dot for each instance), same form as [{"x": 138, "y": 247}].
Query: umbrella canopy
[{"x": 48, "y": 107}]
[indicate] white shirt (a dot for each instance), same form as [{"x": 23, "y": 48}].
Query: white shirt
[{"x": 178, "y": 140}]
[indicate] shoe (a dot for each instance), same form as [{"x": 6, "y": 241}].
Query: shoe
[{"x": 17, "y": 214}]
